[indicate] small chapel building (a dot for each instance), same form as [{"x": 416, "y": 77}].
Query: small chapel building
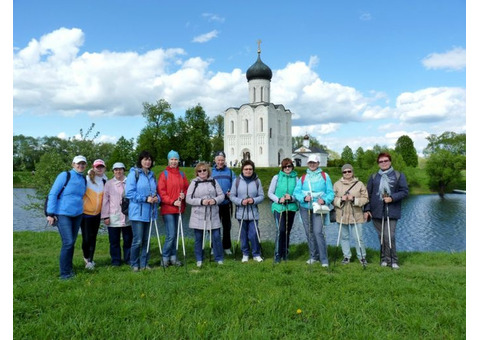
[{"x": 258, "y": 130}]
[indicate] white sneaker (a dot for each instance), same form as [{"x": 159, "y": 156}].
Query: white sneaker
[
  {"x": 211, "y": 251},
  {"x": 220, "y": 263},
  {"x": 384, "y": 264},
  {"x": 395, "y": 266},
  {"x": 325, "y": 265},
  {"x": 90, "y": 265},
  {"x": 199, "y": 264},
  {"x": 228, "y": 252},
  {"x": 312, "y": 261},
  {"x": 258, "y": 258},
  {"x": 245, "y": 258}
]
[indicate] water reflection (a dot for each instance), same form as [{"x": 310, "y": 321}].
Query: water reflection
[{"x": 428, "y": 223}]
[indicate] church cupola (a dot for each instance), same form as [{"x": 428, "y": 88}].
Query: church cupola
[{"x": 259, "y": 76}]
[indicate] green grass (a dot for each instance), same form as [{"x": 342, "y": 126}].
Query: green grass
[{"x": 425, "y": 299}]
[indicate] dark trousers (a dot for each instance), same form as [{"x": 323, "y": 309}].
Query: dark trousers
[
  {"x": 387, "y": 255},
  {"x": 114, "y": 236},
  {"x": 89, "y": 226},
  {"x": 284, "y": 223},
  {"x": 224, "y": 212}
]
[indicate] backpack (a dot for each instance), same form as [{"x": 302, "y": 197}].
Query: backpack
[
  {"x": 45, "y": 204},
  {"x": 165, "y": 172},
  {"x": 206, "y": 181},
  {"x": 332, "y": 210},
  {"x": 125, "y": 201},
  {"x": 323, "y": 175}
]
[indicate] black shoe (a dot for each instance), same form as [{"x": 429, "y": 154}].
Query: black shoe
[{"x": 346, "y": 260}]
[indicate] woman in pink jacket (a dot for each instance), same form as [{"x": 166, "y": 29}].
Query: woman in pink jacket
[{"x": 118, "y": 224}]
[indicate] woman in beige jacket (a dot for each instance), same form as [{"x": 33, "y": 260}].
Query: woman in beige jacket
[{"x": 350, "y": 197}]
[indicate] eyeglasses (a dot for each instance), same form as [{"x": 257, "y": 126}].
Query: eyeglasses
[
  {"x": 384, "y": 161},
  {"x": 288, "y": 166},
  {"x": 347, "y": 171},
  {"x": 201, "y": 170},
  {"x": 248, "y": 169}
]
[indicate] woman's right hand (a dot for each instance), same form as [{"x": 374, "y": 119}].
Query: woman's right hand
[{"x": 50, "y": 220}]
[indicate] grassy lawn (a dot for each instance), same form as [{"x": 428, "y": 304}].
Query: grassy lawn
[{"x": 425, "y": 299}]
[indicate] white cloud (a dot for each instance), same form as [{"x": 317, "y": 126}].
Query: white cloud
[
  {"x": 454, "y": 59},
  {"x": 206, "y": 37},
  {"x": 213, "y": 17}
]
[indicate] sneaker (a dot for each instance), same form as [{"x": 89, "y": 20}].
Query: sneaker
[
  {"x": 135, "y": 269},
  {"x": 325, "y": 265},
  {"x": 220, "y": 263},
  {"x": 346, "y": 260},
  {"x": 228, "y": 252},
  {"x": 147, "y": 268},
  {"x": 258, "y": 258},
  {"x": 245, "y": 258},
  {"x": 363, "y": 262},
  {"x": 85, "y": 260},
  {"x": 90, "y": 265},
  {"x": 211, "y": 251},
  {"x": 384, "y": 264},
  {"x": 395, "y": 266},
  {"x": 199, "y": 264},
  {"x": 312, "y": 261},
  {"x": 177, "y": 263}
]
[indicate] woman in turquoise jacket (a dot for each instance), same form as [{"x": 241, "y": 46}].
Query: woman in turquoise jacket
[
  {"x": 141, "y": 190},
  {"x": 65, "y": 207},
  {"x": 312, "y": 188}
]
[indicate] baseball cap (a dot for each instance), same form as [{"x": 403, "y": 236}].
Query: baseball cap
[{"x": 79, "y": 158}]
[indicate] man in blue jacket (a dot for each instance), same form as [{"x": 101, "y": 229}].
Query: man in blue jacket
[
  {"x": 225, "y": 177},
  {"x": 386, "y": 189}
]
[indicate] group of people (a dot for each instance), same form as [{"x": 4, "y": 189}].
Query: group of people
[{"x": 76, "y": 201}]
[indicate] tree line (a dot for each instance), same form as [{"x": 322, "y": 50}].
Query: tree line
[{"x": 196, "y": 137}]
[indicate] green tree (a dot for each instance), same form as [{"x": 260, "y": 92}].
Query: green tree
[
  {"x": 124, "y": 152},
  {"x": 446, "y": 158},
  {"x": 159, "y": 136},
  {"x": 359, "y": 154},
  {"x": 26, "y": 152},
  {"x": 404, "y": 146},
  {"x": 216, "y": 132},
  {"x": 347, "y": 155},
  {"x": 195, "y": 132}
]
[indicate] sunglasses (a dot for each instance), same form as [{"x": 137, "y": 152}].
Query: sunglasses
[
  {"x": 384, "y": 161},
  {"x": 347, "y": 171},
  {"x": 288, "y": 166},
  {"x": 201, "y": 170}
]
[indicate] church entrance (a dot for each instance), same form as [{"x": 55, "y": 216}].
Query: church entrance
[{"x": 246, "y": 155}]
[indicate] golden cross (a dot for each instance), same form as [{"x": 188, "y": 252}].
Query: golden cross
[{"x": 259, "y": 42}]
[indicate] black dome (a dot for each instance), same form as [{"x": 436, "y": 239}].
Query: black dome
[{"x": 259, "y": 71}]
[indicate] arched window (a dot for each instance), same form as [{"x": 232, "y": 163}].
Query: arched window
[
  {"x": 260, "y": 150},
  {"x": 245, "y": 126},
  {"x": 261, "y": 124},
  {"x": 232, "y": 127}
]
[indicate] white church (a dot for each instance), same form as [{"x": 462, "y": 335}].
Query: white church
[{"x": 258, "y": 130}]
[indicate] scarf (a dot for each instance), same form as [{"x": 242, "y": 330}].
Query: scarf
[{"x": 385, "y": 181}]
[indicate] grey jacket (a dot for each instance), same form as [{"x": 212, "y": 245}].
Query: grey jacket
[
  {"x": 249, "y": 212},
  {"x": 202, "y": 216}
]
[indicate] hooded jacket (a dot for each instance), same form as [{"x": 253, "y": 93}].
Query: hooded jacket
[
  {"x": 247, "y": 188},
  {"x": 359, "y": 191},
  {"x": 315, "y": 185},
  {"x": 112, "y": 198},
  {"x": 203, "y": 216},
  {"x": 169, "y": 189},
  {"x": 92, "y": 201},
  {"x": 138, "y": 191},
  {"x": 70, "y": 202}
]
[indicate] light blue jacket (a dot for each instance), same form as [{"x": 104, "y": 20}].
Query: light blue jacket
[
  {"x": 70, "y": 202},
  {"x": 138, "y": 191},
  {"x": 315, "y": 185}
]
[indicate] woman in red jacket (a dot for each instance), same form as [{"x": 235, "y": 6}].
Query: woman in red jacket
[{"x": 172, "y": 187}]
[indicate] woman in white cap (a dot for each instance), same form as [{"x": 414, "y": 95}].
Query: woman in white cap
[
  {"x": 65, "y": 207},
  {"x": 314, "y": 187},
  {"x": 118, "y": 224},
  {"x": 350, "y": 197},
  {"x": 92, "y": 207}
]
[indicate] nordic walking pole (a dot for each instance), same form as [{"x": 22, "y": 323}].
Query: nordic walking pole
[
  {"x": 159, "y": 246},
  {"x": 183, "y": 239},
  {"x": 389, "y": 236},
  {"x": 358, "y": 237},
  {"x": 381, "y": 234},
  {"x": 150, "y": 229},
  {"x": 211, "y": 249},
  {"x": 239, "y": 231},
  {"x": 286, "y": 231},
  {"x": 277, "y": 223},
  {"x": 204, "y": 228},
  {"x": 338, "y": 239},
  {"x": 256, "y": 230},
  {"x": 310, "y": 227}
]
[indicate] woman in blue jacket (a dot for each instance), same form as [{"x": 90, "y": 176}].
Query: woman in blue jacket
[
  {"x": 65, "y": 207},
  {"x": 141, "y": 190},
  {"x": 314, "y": 187}
]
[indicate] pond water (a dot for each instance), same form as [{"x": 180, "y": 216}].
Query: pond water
[{"x": 428, "y": 223}]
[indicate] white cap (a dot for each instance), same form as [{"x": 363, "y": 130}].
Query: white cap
[
  {"x": 313, "y": 158},
  {"x": 79, "y": 159},
  {"x": 118, "y": 165}
]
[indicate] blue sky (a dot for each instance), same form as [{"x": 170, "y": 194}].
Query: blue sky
[{"x": 355, "y": 73}]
